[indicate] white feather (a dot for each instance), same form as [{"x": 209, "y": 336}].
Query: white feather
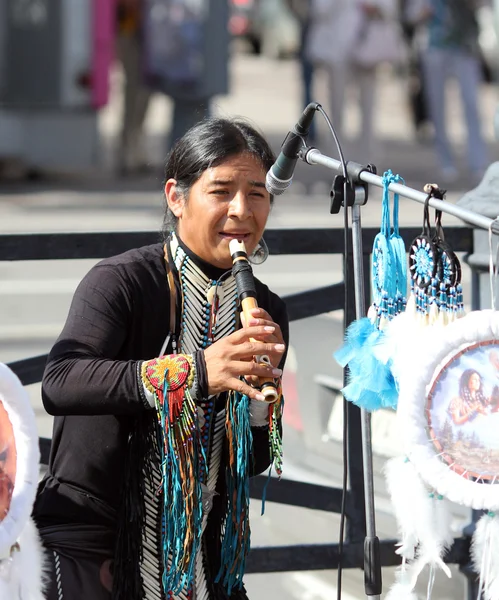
[
  {"x": 411, "y": 502},
  {"x": 485, "y": 554},
  {"x": 403, "y": 588},
  {"x": 436, "y": 535},
  {"x": 401, "y": 333},
  {"x": 410, "y": 307},
  {"x": 442, "y": 521},
  {"x": 423, "y": 520},
  {"x": 371, "y": 313},
  {"x": 22, "y": 577},
  {"x": 401, "y": 592},
  {"x": 433, "y": 314}
]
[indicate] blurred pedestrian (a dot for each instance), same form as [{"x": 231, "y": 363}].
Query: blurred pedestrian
[
  {"x": 452, "y": 48},
  {"x": 131, "y": 152},
  {"x": 418, "y": 105},
  {"x": 186, "y": 56},
  {"x": 349, "y": 39},
  {"x": 301, "y": 10}
]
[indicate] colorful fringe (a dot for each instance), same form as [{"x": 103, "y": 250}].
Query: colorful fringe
[
  {"x": 236, "y": 538},
  {"x": 169, "y": 379},
  {"x": 184, "y": 467},
  {"x": 237, "y": 531}
]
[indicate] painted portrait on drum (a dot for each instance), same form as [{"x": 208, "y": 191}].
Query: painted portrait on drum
[
  {"x": 8, "y": 461},
  {"x": 462, "y": 411}
]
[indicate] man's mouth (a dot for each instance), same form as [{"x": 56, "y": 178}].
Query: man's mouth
[{"x": 242, "y": 236}]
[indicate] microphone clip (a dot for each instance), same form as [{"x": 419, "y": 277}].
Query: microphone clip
[{"x": 357, "y": 191}]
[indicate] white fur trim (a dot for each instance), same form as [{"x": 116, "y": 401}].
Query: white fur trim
[
  {"x": 21, "y": 415},
  {"x": 22, "y": 577},
  {"x": 485, "y": 555},
  {"x": 434, "y": 347}
]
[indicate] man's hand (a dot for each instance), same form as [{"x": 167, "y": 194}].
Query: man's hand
[{"x": 232, "y": 357}]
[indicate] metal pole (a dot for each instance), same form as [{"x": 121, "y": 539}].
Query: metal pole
[
  {"x": 372, "y": 563},
  {"x": 315, "y": 157}
]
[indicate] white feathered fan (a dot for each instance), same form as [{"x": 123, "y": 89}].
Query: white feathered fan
[
  {"x": 21, "y": 556},
  {"x": 448, "y": 417}
]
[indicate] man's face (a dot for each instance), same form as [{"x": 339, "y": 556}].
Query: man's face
[{"x": 228, "y": 201}]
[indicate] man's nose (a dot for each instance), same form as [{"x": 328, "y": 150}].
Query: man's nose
[{"x": 239, "y": 206}]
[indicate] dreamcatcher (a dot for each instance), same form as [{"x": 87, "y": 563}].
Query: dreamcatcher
[
  {"x": 435, "y": 297},
  {"x": 436, "y": 293},
  {"x": 370, "y": 380},
  {"x": 448, "y": 418},
  {"x": 21, "y": 556}
]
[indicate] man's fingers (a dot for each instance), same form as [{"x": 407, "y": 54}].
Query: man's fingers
[
  {"x": 260, "y": 313},
  {"x": 243, "y": 388},
  {"x": 255, "y": 348},
  {"x": 269, "y": 339},
  {"x": 246, "y": 369},
  {"x": 264, "y": 322},
  {"x": 246, "y": 333}
]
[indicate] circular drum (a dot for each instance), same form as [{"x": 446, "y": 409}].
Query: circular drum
[
  {"x": 448, "y": 409},
  {"x": 19, "y": 459}
]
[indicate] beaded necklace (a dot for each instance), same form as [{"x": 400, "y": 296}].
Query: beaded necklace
[{"x": 208, "y": 306}]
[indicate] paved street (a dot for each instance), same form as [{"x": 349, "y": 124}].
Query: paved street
[{"x": 34, "y": 297}]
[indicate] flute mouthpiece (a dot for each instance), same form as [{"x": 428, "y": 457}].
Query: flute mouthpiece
[{"x": 236, "y": 246}]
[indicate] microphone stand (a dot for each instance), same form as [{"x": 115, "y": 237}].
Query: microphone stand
[{"x": 353, "y": 194}]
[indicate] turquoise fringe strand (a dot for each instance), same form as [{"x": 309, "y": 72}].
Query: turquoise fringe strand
[
  {"x": 237, "y": 534},
  {"x": 177, "y": 436}
]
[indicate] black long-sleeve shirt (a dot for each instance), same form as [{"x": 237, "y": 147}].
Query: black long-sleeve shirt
[{"x": 119, "y": 317}]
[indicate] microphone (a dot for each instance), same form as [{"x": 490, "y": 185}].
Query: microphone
[{"x": 280, "y": 174}]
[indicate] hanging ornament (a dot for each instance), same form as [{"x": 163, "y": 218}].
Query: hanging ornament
[
  {"x": 433, "y": 367},
  {"x": 446, "y": 286},
  {"x": 436, "y": 293},
  {"x": 370, "y": 381},
  {"x": 21, "y": 554},
  {"x": 448, "y": 417},
  {"x": 422, "y": 267}
]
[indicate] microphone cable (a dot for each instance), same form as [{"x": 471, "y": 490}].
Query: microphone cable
[{"x": 345, "y": 407}]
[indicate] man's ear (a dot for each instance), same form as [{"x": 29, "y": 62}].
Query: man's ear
[{"x": 174, "y": 198}]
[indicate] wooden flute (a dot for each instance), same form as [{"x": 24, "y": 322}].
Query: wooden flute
[{"x": 243, "y": 274}]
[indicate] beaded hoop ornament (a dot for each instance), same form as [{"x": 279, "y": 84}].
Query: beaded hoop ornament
[
  {"x": 449, "y": 267},
  {"x": 436, "y": 293},
  {"x": 446, "y": 287},
  {"x": 388, "y": 264},
  {"x": 370, "y": 381},
  {"x": 423, "y": 254},
  {"x": 434, "y": 269}
]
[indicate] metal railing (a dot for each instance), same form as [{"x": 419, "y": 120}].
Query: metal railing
[{"x": 65, "y": 246}]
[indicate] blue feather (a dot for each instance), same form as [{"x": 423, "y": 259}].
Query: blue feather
[{"x": 371, "y": 384}]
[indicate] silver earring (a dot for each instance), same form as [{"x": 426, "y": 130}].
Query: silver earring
[{"x": 259, "y": 254}]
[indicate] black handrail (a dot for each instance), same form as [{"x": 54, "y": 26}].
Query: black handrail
[{"x": 65, "y": 246}]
